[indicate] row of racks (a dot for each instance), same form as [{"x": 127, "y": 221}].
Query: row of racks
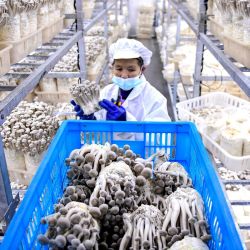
[
  {"x": 61, "y": 44},
  {"x": 204, "y": 39}
]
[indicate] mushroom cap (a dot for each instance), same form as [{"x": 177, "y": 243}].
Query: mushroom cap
[
  {"x": 70, "y": 190},
  {"x": 114, "y": 147},
  {"x": 75, "y": 242},
  {"x": 63, "y": 223},
  {"x": 114, "y": 210},
  {"x": 75, "y": 219},
  {"x": 128, "y": 153},
  {"x": 77, "y": 229},
  {"x": 119, "y": 194},
  {"x": 52, "y": 221},
  {"x": 89, "y": 157},
  {"x": 43, "y": 239},
  {"x": 140, "y": 181},
  {"x": 103, "y": 208},
  {"x": 93, "y": 173},
  {"x": 88, "y": 244},
  {"x": 95, "y": 212},
  {"x": 60, "y": 241},
  {"x": 173, "y": 231},
  {"x": 146, "y": 172},
  {"x": 138, "y": 168},
  {"x": 206, "y": 237},
  {"x": 126, "y": 147},
  {"x": 111, "y": 155},
  {"x": 86, "y": 232}
]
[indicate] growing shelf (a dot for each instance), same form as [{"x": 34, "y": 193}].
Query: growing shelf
[
  {"x": 62, "y": 42},
  {"x": 237, "y": 73}
]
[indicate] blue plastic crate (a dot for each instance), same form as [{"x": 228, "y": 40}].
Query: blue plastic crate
[{"x": 180, "y": 140}]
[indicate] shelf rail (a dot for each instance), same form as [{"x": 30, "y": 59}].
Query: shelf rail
[
  {"x": 64, "y": 40},
  {"x": 235, "y": 72}
]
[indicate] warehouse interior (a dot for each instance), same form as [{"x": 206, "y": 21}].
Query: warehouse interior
[{"x": 165, "y": 166}]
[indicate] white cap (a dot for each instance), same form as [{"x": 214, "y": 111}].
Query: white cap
[{"x": 125, "y": 48}]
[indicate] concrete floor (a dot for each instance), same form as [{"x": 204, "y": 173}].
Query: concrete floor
[{"x": 153, "y": 73}]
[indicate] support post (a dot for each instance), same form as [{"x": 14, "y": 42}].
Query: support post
[
  {"x": 178, "y": 31},
  {"x": 167, "y": 17},
  {"x": 121, "y": 7},
  {"x": 81, "y": 41},
  {"x": 106, "y": 73},
  {"x": 199, "y": 50},
  {"x": 6, "y": 197},
  {"x": 116, "y": 11}
]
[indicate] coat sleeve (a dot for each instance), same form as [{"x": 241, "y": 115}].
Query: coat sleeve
[
  {"x": 130, "y": 117},
  {"x": 158, "y": 110}
]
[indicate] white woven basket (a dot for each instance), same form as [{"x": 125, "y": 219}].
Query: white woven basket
[{"x": 231, "y": 162}]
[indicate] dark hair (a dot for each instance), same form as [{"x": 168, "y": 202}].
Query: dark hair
[{"x": 139, "y": 59}]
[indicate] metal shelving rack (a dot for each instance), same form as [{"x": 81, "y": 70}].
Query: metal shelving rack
[
  {"x": 64, "y": 40},
  {"x": 205, "y": 39}
]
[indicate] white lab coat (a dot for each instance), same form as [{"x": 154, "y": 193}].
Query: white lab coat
[{"x": 144, "y": 103}]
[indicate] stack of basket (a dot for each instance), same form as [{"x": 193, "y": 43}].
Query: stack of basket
[
  {"x": 145, "y": 20},
  {"x": 25, "y": 28},
  {"x": 69, "y": 8}
]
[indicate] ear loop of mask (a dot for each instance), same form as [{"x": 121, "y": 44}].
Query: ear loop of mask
[{"x": 141, "y": 72}]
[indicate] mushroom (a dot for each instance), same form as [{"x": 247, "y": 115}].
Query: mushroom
[
  {"x": 72, "y": 226},
  {"x": 29, "y": 128},
  {"x": 142, "y": 229},
  {"x": 184, "y": 216}
]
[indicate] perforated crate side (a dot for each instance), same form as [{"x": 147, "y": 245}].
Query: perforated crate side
[{"x": 181, "y": 140}]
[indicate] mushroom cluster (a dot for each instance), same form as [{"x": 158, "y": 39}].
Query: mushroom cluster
[
  {"x": 189, "y": 243},
  {"x": 143, "y": 228},
  {"x": 72, "y": 226},
  {"x": 3, "y": 11},
  {"x": 184, "y": 216},
  {"x": 125, "y": 195},
  {"x": 21, "y": 16},
  {"x": 29, "y": 128},
  {"x": 17, "y": 6},
  {"x": 94, "y": 46},
  {"x": 227, "y": 174},
  {"x": 68, "y": 63},
  {"x": 113, "y": 195},
  {"x": 98, "y": 31},
  {"x": 235, "y": 14},
  {"x": 78, "y": 193},
  {"x": 87, "y": 95},
  {"x": 169, "y": 176}
]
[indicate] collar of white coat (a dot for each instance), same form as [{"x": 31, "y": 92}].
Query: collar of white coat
[{"x": 134, "y": 93}]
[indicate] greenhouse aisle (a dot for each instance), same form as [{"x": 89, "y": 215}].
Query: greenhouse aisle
[{"x": 153, "y": 72}]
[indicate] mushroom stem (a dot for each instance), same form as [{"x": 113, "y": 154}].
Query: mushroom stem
[
  {"x": 167, "y": 219},
  {"x": 127, "y": 237},
  {"x": 183, "y": 219},
  {"x": 197, "y": 229},
  {"x": 176, "y": 211},
  {"x": 189, "y": 214}
]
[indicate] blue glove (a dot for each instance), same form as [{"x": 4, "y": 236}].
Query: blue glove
[
  {"x": 114, "y": 112},
  {"x": 80, "y": 113}
]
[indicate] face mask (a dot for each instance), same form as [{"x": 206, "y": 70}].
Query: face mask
[{"x": 127, "y": 84}]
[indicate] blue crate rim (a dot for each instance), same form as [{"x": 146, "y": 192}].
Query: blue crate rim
[{"x": 31, "y": 192}]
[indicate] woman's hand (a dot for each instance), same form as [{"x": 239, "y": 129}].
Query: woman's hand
[
  {"x": 80, "y": 113},
  {"x": 114, "y": 112}
]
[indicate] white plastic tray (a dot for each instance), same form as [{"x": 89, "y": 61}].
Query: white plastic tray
[{"x": 225, "y": 100}]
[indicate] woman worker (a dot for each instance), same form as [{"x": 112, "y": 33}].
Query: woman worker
[{"x": 130, "y": 97}]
